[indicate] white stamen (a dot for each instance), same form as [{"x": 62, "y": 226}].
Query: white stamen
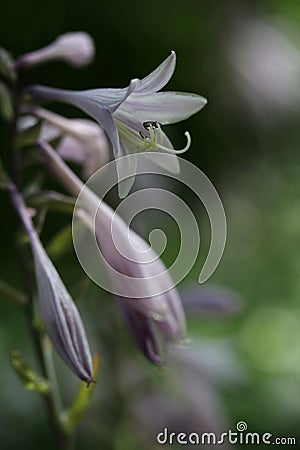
[{"x": 154, "y": 141}]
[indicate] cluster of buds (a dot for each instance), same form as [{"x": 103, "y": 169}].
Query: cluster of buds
[{"x": 130, "y": 120}]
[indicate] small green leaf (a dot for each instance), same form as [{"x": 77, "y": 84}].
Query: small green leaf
[
  {"x": 6, "y": 104},
  {"x": 7, "y": 65},
  {"x": 30, "y": 379},
  {"x": 73, "y": 416}
]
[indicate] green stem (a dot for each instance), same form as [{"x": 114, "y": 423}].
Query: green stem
[
  {"x": 62, "y": 440},
  {"x": 48, "y": 355}
]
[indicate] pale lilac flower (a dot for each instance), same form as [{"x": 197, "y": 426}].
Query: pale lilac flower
[
  {"x": 81, "y": 141},
  {"x": 60, "y": 315},
  {"x": 147, "y": 296},
  {"x": 132, "y": 116},
  {"x": 75, "y": 48}
]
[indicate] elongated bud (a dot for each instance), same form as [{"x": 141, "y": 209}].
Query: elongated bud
[
  {"x": 76, "y": 49},
  {"x": 60, "y": 315},
  {"x": 82, "y": 141}
]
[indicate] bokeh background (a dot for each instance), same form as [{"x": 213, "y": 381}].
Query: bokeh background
[{"x": 244, "y": 56}]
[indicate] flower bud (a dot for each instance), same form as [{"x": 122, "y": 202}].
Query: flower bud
[
  {"x": 82, "y": 141},
  {"x": 60, "y": 315},
  {"x": 75, "y": 48}
]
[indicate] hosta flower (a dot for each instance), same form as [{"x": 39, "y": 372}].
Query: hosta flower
[
  {"x": 146, "y": 293},
  {"x": 80, "y": 140},
  {"x": 77, "y": 49},
  {"x": 60, "y": 315},
  {"x": 132, "y": 117}
]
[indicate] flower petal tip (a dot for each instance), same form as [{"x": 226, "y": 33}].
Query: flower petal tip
[{"x": 133, "y": 85}]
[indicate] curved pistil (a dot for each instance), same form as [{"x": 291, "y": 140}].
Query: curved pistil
[{"x": 154, "y": 140}]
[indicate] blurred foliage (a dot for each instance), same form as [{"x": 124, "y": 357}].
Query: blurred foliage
[{"x": 253, "y": 160}]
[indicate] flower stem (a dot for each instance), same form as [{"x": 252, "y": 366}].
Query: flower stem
[
  {"x": 62, "y": 440},
  {"x": 48, "y": 357}
]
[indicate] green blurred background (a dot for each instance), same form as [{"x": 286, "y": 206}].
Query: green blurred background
[{"x": 244, "y": 56}]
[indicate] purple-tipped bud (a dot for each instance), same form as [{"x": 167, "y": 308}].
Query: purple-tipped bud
[
  {"x": 60, "y": 315},
  {"x": 146, "y": 292},
  {"x": 147, "y": 296},
  {"x": 142, "y": 331},
  {"x": 76, "y": 49}
]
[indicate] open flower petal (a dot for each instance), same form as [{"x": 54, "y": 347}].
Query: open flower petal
[
  {"x": 111, "y": 99},
  {"x": 165, "y": 107},
  {"x": 157, "y": 79},
  {"x": 126, "y": 169},
  {"x": 122, "y": 113},
  {"x": 106, "y": 121}
]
